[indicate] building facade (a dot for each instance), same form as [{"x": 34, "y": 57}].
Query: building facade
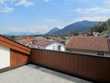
[{"x": 97, "y": 46}]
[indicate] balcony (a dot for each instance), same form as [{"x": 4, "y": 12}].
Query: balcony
[{"x": 35, "y": 74}]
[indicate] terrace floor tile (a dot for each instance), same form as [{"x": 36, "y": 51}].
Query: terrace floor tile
[{"x": 35, "y": 74}]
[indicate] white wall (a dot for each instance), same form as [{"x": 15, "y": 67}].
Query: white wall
[
  {"x": 54, "y": 46},
  {"x": 4, "y": 57}
]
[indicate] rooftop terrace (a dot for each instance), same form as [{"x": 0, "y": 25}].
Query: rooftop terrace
[
  {"x": 35, "y": 74},
  {"x": 88, "y": 67}
]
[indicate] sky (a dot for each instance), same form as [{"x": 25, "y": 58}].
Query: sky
[{"x": 39, "y": 16}]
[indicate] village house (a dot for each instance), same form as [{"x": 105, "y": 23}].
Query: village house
[
  {"x": 43, "y": 43},
  {"x": 89, "y": 45},
  {"x": 27, "y": 41}
]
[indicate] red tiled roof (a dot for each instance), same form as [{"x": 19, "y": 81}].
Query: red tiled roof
[
  {"x": 41, "y": 42},
  {"x": 88, "y": 43}
]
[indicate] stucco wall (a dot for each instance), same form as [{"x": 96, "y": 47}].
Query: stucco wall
[
  {"x": 54, "y": 46},
  {"x": 4, "y": 57}
]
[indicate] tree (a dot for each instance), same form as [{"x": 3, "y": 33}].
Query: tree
[{"x": 100, "y": 27}]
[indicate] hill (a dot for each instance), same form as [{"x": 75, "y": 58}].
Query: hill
[
  {"x": 82, "y": 26},
  {"x": 52, "y": 31}
]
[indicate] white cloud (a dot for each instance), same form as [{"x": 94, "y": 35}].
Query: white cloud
[
  {"x": 33, "y": 29},
  {"x": 94, "y": 18},
  {"x": 25, "y": 3},
  {"x": 7, "y": 6},
  {"x": 93, "y": 11},
  {"x": 6, "y": 9},
  {"x": 96, "y": 13}
]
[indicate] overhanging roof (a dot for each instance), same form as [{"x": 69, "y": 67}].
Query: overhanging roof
[{"x": 14, "y": 45}]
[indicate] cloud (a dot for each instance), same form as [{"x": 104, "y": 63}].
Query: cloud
[
  {"x": 7, "y": 6},
  {"x": 93, "y": 11},
  {"x": 6, "y": 9},
  {"x": 34, "y": 29},
  {"x": 96, "y": 13},
  {"x": 97, "y": 10},
  {"x": 94, "y": 18},
  {"x": 25, "y": 3}
]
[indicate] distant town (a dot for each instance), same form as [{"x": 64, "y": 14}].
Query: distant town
[{"x": 93, "y": 39}]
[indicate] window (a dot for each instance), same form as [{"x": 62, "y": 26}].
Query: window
[
  {"x": 100, "y": 53},
  {"x": 59, "y": 48}
]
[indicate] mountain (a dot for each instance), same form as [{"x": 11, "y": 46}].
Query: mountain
[
  {"x": 52, "y": 31},
  {"x": 81, "y": 26}
]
